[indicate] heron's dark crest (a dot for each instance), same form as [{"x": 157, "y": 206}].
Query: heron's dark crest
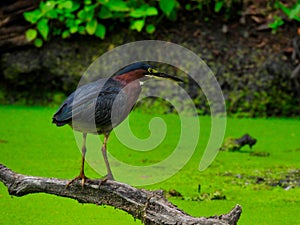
[{"x": 132, "y": 67}]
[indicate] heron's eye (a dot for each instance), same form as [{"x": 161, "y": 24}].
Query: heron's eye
[{"x": 152, "y": 71}]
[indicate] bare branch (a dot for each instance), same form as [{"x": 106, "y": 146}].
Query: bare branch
[{"x": 151, "y": 207}]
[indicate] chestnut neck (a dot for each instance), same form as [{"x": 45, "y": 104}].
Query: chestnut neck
[{"x": 130, "y": 76}]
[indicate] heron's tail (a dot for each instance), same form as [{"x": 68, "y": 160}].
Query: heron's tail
[{"x": 58, "y": 123}]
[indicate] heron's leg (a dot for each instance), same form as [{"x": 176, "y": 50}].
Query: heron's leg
[
  {"x": 83, "y": 152},
  {"x": 104, "y": 153},
  {"x": 81, "y": 174}
]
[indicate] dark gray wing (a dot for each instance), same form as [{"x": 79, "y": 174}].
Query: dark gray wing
[{"x": 90, "y": 105}]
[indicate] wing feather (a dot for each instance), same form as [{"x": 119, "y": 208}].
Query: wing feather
[{"x": 91, "y": 103}]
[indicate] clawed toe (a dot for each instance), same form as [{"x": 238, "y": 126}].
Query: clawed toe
[
  {"x": 84, "y": 179},
  {"x": 80, "y": 177}
]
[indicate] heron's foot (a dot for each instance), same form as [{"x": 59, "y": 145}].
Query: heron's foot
[
  {"x": 81, "y": 177},
  {"x": 109, "y": 176}
]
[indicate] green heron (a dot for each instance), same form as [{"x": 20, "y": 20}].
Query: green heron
[{"x": 90, "y": 108}]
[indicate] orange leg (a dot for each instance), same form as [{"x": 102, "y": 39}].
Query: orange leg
[{"x": 81, "y": 176}]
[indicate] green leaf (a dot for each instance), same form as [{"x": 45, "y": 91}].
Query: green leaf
[
  {"x": 137, "y": 25},
  {"x": 105, "y": 13},
  {"x": 278, "y": 21},
  {"x": 283, "y": 8},
  {"x": 75, "y": 6},
  {"x": 100, "y": 31},
  {"x": 297, "y": 18},
  {"x": 89, "y": 12},
  {"x": 102, "y": 1},
  {"x": 38, "y": 42},
  {"x": 144, "y": 10},
  {"x": 69, "y": 15},
  {"x": 150, "y": 28},
  {"x": 82, "y": 14},
  {"x": 167, "y": 6},
  {"x": 151, "y": 11},
  {"x": 87, "y": 2},
  {"x": 117, "y": 5},
  {"x": 218, "y": 6},
  {"x": 33, "y": 16},
  {"x": 59, "y": 11},
  {"x": 65, "y": 34},
  {"x": 137, "y": 13},
  {"x": 73, "y": 29},
  {"x": 47, "y": 6},
  {"x": 65, "y": 5},
  {"x": 91, "y": 26},
  {"x": 31, "y": 34},
  {"x": 294, "y": 13},
  {"x": 52, "y": 14},
  {"x": 78, "y": 21},
  {"x": 43, "y": 28}
]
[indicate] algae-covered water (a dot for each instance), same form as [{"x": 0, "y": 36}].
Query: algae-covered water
[{"x": 30, "y": 144}]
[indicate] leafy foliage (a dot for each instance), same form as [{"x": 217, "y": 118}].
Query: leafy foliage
[
  {"x": 67, "y": 17},
  {"x": 94, "y": 17},
  {"x": 293, "y": 13}
]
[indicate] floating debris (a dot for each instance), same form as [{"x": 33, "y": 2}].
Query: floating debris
[{"x": 235, "y": 144}]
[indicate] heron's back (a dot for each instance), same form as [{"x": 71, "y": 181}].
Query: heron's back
[{"x": 96, "y": 107}]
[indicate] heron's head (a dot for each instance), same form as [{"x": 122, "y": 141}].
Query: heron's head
[{"x": 139, "y": 70}]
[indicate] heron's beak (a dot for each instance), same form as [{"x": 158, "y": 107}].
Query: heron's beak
[{"x": 155, "y": 73}]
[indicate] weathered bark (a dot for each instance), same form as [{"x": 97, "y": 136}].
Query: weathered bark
[{"x": 151, "y": 207}]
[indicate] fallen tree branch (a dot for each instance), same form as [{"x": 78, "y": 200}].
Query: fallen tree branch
[{"x": 151, "y": 207}]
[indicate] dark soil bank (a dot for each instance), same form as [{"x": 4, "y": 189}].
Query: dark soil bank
[{"x": 253, "y": 67}]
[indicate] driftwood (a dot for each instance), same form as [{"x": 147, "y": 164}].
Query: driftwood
[
  {"x": 151, "y": 207},
  {"x": 235, "y": 144}
]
